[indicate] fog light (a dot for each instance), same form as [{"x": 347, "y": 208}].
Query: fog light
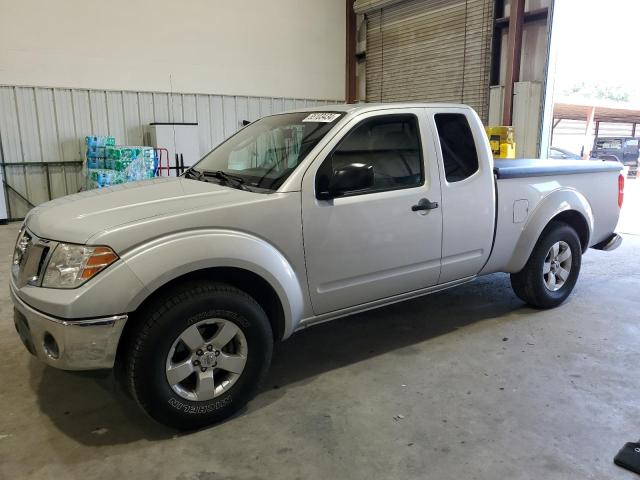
[{"x": 51, "y": 346}]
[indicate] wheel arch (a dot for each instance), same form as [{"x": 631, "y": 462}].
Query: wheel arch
[
  {"x": 566, "y": 205},
  {"x": 251, "y": 283},
  {"x": 578, "y": 222},
  {"x": 247, "y": 262}
]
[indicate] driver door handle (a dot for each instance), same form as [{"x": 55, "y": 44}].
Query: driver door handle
[{"x": 424, "y": 204}]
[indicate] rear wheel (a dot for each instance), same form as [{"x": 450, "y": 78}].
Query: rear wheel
[
  {"x": 552, "y": 269},
  {"x": 199, "y": 355}
]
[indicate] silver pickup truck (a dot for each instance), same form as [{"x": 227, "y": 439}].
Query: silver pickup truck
[{"x": 184, "y": 284}]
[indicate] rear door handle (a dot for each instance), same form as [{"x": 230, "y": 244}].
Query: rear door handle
[{"x": 424, "y": 204}]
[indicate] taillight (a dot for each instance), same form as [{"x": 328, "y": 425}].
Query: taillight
[{"x": 620, "y": 190}]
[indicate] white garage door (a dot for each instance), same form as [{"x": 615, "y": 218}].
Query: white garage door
[{"x": 428, "y": 50}]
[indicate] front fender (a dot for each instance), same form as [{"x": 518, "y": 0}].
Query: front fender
[
  {"x": 561, "y": 200},
  {"x": 157, "y": 262}
]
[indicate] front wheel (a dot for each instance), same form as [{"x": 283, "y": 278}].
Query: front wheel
[
  {"x": 552, "y": 269},
  {"x": 198, "y": 355}
]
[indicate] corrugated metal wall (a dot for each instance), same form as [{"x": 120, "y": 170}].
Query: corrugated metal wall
[{"x": 49, "y": 125}]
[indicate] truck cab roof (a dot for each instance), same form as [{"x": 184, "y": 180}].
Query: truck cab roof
[{"x": 356, "y": 108}]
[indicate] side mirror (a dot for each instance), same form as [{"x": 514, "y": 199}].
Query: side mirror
[{"x": 350, "y": 178}]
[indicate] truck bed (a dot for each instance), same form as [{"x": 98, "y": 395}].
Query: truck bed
[
  {"x": 523, "y": 168},
  {"x": 525, "y": 187}
]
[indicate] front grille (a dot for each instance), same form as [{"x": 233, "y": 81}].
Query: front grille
[{"x": 29, "y": 259}]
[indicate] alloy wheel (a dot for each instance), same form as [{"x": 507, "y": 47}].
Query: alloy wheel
[
  {"x": 557, "y": 266},
  {"x": 206, "y": 359}
]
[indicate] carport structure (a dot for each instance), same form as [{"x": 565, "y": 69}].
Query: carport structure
[{"x": 591, "y": 119}]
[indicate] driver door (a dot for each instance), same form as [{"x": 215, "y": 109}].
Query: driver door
[{"x": 370, "y": 244}]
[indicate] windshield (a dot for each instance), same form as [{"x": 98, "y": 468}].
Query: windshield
[{"x": 267, "y": 151}]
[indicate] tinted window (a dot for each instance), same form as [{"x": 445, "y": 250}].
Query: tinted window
[
  {"x": 458, "y": 148},
  {"x": 390, "y": 144}
]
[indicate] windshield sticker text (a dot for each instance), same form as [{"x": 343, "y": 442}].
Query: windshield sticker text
[{"x": 324, "y": 117}]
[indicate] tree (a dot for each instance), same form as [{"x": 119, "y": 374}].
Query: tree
[{"x": 617, "y": 93}]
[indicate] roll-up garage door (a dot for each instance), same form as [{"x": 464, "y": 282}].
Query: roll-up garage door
[{"x": 428, "y": 50}]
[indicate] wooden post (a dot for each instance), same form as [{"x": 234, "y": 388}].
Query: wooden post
[
  {"x": 556, "y": 122},
  {"x": 514, "y": 53},
  {"x": 587, "y": 134},
  {"x": 350, "y": 65}
]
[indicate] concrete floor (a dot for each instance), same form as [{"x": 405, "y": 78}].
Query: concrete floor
[{"x": 488, "y": 389}]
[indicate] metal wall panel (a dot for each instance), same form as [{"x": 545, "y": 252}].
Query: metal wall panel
[
  {"x": 132, "y": 123},
  {"x": 115, "y": 115},
  {"x": 98, "y": 112},
  {"x": 48, "y": 125},
  {"x": 175, "y": 108},
  {"x": 266, "y": 106},
  {"x": 205, "y": 130},
  {"x": 217, "y": 118},
  {"x": 146, "y": 108},
  {"x": 189, "y": 114}
]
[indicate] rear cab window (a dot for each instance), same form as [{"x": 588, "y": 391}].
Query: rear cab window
[{"x": 459, "y": 154}]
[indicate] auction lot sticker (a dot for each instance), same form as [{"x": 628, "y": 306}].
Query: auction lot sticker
[{"x": 325, "y": 117}]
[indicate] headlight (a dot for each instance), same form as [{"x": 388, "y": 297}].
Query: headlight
[
  {"x": 72, "y": 265},
  {"x": 20, "y": 247}
]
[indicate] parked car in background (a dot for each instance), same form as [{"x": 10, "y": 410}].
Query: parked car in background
[
  {"x": 562, "y": 154},
  {"x": 184, "y": 283},
  {"x": 621, "y": 149}
]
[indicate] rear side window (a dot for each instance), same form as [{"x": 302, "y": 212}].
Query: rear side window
[
  {"x": 390, "y": 144},
  {"x": 458, "y": 148}
]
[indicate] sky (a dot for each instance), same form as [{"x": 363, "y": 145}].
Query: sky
[{"x": 597, "y": 42}]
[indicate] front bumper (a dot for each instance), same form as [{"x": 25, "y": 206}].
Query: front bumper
[{"x": 86, "y": 344}]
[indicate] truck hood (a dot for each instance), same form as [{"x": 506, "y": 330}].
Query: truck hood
[{"x": 76, "y": 218}]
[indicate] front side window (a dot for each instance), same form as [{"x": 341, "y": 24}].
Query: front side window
[
  {"x": 264, "y": 153},
  {"x": 459, "y": 153},
  {"x": 389, "y": 144}
]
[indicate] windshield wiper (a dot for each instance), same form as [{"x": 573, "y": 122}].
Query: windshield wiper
[
  {"x": 193, "y": 173},
  {"x": 233, "y": 180},
  {"x": 237, "y": 181}
]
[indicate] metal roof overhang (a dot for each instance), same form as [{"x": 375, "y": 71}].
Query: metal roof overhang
[{"x": 603, "y": 113}]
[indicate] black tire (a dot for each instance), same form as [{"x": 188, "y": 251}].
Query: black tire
[
  {"x": 529, "y": 284},
  {"x": 160, "y": 326}
]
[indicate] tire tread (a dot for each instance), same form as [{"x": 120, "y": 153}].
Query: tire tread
[
  {"x": 526, "y": 283},
  {"x": 154, "y": 312}
]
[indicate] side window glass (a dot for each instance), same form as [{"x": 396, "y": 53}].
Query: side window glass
[
  {"x": 458, "y": 148},
  {"x": 389, "y": 144}
]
